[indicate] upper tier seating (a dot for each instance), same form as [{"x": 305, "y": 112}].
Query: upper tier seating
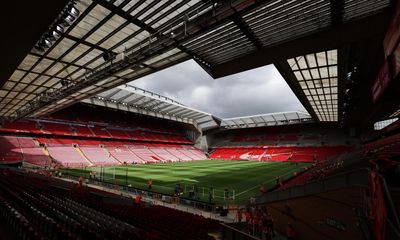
[
  {"x": 56, "y": 128},
  {"x": 92, "y": 131},
  {"x": 118, "y": 133},
  {"x": 288, "y": 135},
  {"x": 21, "y": 127},
  {"x": 100, "y": 132},
  {"x": 82, "y": 131}
]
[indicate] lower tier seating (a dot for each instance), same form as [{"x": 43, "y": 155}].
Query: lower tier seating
[
  {"x": 274, "y": 153},
  {"x": 37, "y": 207},
  {"x": 82, "y": 152}
]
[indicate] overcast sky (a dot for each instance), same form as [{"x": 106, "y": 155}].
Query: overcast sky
[{"x": 257, "y": 91}]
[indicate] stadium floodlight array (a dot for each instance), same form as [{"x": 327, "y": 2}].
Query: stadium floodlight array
[
  {"x": 159, "y": 42},
  {"x": 65, "y": 19}
]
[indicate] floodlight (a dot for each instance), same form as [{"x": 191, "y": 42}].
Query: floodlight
[
  {"x": 69, "y": 19},
  {"x": 74, "y": 12},
  {"x": 56, "y": 34},
  {"x": 59, "y": 28},
  {"x": 47, "y": 42}
]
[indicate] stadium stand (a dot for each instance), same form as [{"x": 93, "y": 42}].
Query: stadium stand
[
  {"x": 124, "y": 155},
  {"x": 37, "y": 207},
  {"x": 276, "y": 153},
  {"x": 33, "y": 153},
  {"x": 10, "y": 151},
  {"x": 20, "y": 127},
  {"x": 98, "y": 156},
  {"x": 66, "y": 102}
]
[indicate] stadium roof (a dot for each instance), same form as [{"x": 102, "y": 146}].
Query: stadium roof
[
  {"x": 137, "y": 100},
  {"x": 133, "y": 99},
  {"x": 272, "y": 119},
  {"x": 94, "y": 46},
  {"x": 317, "y": 75}
]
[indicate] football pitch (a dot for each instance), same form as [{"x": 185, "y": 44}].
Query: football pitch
[{"x": 242, "y": 178}]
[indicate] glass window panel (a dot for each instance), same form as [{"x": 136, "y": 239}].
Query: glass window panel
[
  {"x": 303, "y": 85},
  {"x": 306, "y": 74},
  {"x": 317, "y": 83},
  {"x": 311, "y": 61},
  {"x": 325, "y": 82},
  {"x": 17, "y": 75},
  {"x": 61, "y": 48},
  {"x": 28, "y": 62},
  {"x": 298, "y": 75},
  {"x": 42, "y": 65},
  {"x": 314, "y": 73},
  {"x": 97, "y": 14},
  {"x": 29, "y": 77},
  {"x": 333, "y": 71},
  {"x": 334, "y": 82},
  {"x": 8, "y": 85},
  {"x": 332, "y": 57},
  {"x": 292, "y": 64},
  {"x": 321, "y": 58},
  {"x": 324, "y": 72},
  {"x": 301, "y": 62}
]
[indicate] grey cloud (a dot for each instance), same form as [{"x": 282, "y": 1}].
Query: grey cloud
[{"x": 257, "y": 91}]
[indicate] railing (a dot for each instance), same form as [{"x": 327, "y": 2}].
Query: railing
[
  {"x": 166, "y": 198},
  {"x": 230, "y": 232},
  {"x": 394, "y": 223},
  {"x": 358, "y": 177}
]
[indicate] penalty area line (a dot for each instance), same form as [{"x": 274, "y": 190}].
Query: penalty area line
[{"x": 250, "y": 189}]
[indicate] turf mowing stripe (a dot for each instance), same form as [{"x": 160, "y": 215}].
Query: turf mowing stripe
[
  {"x": 263, "y": 183},
  {"x": 242, "y": 176}
]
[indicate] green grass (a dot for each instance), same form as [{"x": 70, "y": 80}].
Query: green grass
[{"x": 242, "y": 176}]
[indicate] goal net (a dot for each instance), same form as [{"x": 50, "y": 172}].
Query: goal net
[
  {"x": 224, "y": 194},
  {"x": 203, "y": 192},
  {"x": 103, "y": 173}
]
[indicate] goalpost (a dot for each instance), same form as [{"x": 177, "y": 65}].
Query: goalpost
[
  {"x": 106, "y": 174},
  {"x": 218, "y": 194},
  {"x": 224, "y": 194}
]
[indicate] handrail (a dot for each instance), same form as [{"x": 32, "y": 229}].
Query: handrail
[
  {"x": 358, "y": 177},
  {"x": 244, "y": 234},
  {"x": 395, "y": 230},
  {"x": 390, "y": 203}
]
